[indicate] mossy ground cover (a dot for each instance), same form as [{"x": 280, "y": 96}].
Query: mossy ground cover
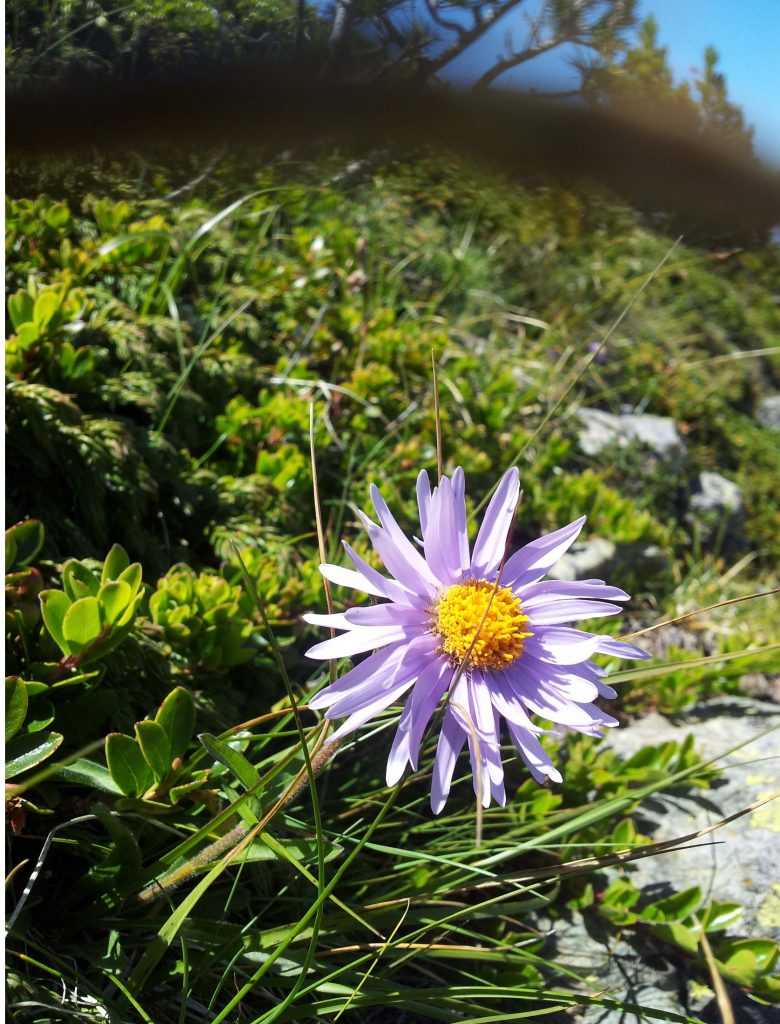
[{"x": 165, "y": 345}]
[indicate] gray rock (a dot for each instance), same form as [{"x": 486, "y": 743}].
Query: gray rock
[
  {"x": 601, "y": 429},
  {"x": 739, "y": 861},
  {"x": 736, "y": 863},
  {"x": 768, "y": 412},
  {"x": 599, "y": 558},
  {"x": 612, "y": 966},
  {"x": 586, "y": 560},
  {"x": 716, "y": 494}
]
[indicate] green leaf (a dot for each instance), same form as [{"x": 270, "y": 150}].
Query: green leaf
[
  {"x": 81, "y": 625},
  {"x": 244, "y": 771},
  {"x": 88, "y": 773},
  {"x": 27, "y": 335},
  {"x": 132, "y": 576},
  {"x": 57, "y": 216},
  {"x": 116, "y": 562},
  {"x": 10, "y": 551},
  {"x": 674, "y": 908},
  {"x": 720, "y": 915},
  {"x": 25, "y": 752},
  {"x": 16, "y": 700},
  {"x": 177, "y": 717},
  {"x": 678, "y": 935},
  {"x": 20, "y": 308},
  {"x": 113, "y": 598},
  {"x": 45, "y": 307},
  {"x": 26, "y": 540},
  {"x": 127, "y": 764},
  {"x": 123, "y": 864},
  {"x": 79, "y": 581},
  {"x": 198, "y": 781},
  {"x": 740, "y": 967},
  {"x": 34, "y": 687},
  {"x": 54, "y": 607},
  {"x": 744, "y": 959},
  {"x": 40, "y": 715},
  {"x": 155, "y": 746}
]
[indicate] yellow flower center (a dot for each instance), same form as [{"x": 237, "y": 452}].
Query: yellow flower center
[{"x": 458, "y": 618}]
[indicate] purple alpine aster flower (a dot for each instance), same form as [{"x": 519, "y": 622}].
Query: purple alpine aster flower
[{"x": 526, "y": 660}]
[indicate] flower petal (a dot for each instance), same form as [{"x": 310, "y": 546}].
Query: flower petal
[
  {"x": 451, "y": 740},
  {"x": 416, "y": 564},
  {"x": 413, "y": 659},
  {"x": 441, "y": 538},
  {"x": 372, "y": 669},
  {"x": 542, "y": 611},
  {"x": 337, "y": 621},
  {"x": 369, "y": 710},
  {"x": 420, "y": 705},
  {"x": 620, "y": 649},
  {"x": 562, "y": 590},
  {"x": 539, "y": 763},
  {"x": 461, "y": 522},
  {"x": 391, "y": 589},
  {"x": 349, "y": 578},
  {"x": 423, "y": 498},
  {"x": 358, "y": 641},
  {"x": 542, "y": 701},
  {"x": 490, "y": 544},
  {"x": 534, "y": 560},
  {"x": 398, "y": 758},
  {"x": 398, "y": 561},
  {"x": 508, "y": 704},
  {"x": 384, "y": 615},
  {"x": 561, "y": 645}
]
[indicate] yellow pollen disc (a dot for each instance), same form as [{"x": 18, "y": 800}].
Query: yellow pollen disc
[{"x": 458, "y": 616}]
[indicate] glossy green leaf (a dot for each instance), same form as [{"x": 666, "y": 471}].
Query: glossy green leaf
[
  {"x": 741, "y": 967},
  {"x": 78, "y": 581},
  {"x": 132, "y": 576},
  {"x": 16, "y": 700},
  {"x": 115, "y": 564},
  {"x": 26, "y": 752},
  {"x": 81, "y": 625},
  {"x": 244, "y": 771},
  {"x": 748, "y": 955},
  {"x": 674, "y": 908},
  {"x": 10, "y": 551},
  {"x": 720, "y": 915},
  {"x": 177, "y": 717},
  {"x": 88, "y": 773},
  {"x": 55, "y": 605},
  {"x": 34, "y": 687},
  {"x": 57, "y": 215},
  {"x": 122, "y": 866},
  {"x": 28, "y": 334},
  {"x": 677, "y": 934},
  {"x": 23, "y": 542},
  {"x": 40, "y": 715},
  {"x": 198, "y": 781},
  {"x": 113, "y": 598},
  {"x": 45, "y": 307},
  {"x": 127, "y": 764},
  {"x": 155, "y": 746}
]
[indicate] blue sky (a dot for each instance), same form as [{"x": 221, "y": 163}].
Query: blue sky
[{"x": 746, "y": 34}]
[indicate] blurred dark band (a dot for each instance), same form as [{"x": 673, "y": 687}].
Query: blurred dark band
[{"x": 647, "y": 159}]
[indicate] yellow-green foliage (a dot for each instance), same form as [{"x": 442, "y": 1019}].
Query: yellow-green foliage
[{"x": 203, "y": 617}]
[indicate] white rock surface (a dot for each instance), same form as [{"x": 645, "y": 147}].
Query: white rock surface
[{"x": 601, "y": 429}]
